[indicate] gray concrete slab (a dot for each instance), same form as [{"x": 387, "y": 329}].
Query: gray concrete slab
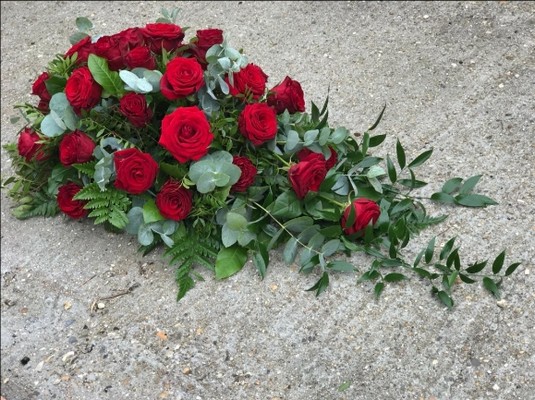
[{"x": 456, "y": 76}]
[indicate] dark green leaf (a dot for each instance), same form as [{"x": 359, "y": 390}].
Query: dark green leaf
[
  {"x": 392, "y": 175},
  {"x": 491, "y": 286},
  {"x": 498, "y": 263},
  {"x": 369, "y": 276},
  {"x": 394, "y": 277},
  {"x": 55, "y": 84},
  {"x": 421, "y": 159},
  {"x": 466, "y": 279},
  {"x": 511, "y": 268},
  {"x": 299, "y": 224},
  {"x": 422, "y": 272},
  {"x": 453, "y": 259},
  {"x": 419, "y": 258},
  {"x": 287, "y": 205},
  {"x": 469, "y": 184},
  {"x": 320, "y": 285},
  {"x": 400, "y": 152},
  {"x": 429, "y": 250},
  {"x": 378, "y": 289},
  {"x": 443, "y": 198},
  {"x": 477, "y": 267},
  {"x": 315, "y": 113},
  {"x": 376, "y": 123},
  {"x": 376, "y": 140},
  {"x": 446, "y": 248}
]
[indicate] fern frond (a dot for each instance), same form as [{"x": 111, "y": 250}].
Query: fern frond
[
  {"x": 107, "y": 206},
  {"x": 87, "y": 168}
]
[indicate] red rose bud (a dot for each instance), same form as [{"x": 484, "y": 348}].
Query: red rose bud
[
  {"x": 83, "y": 48},
  {"x": 135, "y": 170},
  {"x": 305, "y": 154},
  {"x": 186, "y": 134},
  {"x": 162, "y": 35},
  {"x": 248, "y": 174},
  {"x": 307, "y": 176},
  {"x": 134, "y": 107},
  {"x": 76, "y": 148},
  {"x": 29, "y": 148},
  {"x": 258, "y": 123},
  {"x": 174, "y": 200},
  {"x": 182, "y": 77},
  {"x": 366, "y": 211},
  {"x": 39, "y": 89},
  {"x": 288, "y": 95},
  {"x": 250, "y": 80},
  {"x": 72, "y": 208},
  {"x": 82, "y": 91},
  {"x": 140, "y": 57}
]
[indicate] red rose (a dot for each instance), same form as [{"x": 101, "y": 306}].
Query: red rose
[
  {"x": 248, "y": 174},
  {"x": 134, "y": 107},
  {"x": 135, "y": 170},
  {"x": 206, "y": 38},
  {"x": 83, "y": 48},
  {"x": 76, "y": 147},
  {"x": 72, "y": 208},
  {"x": 366, "y": 211},
  {"x": 186, "y": 134},
  {"x": 29, "y": 148},
  {"x": 307, "y": 176},
  {"x": 287, "y": 95},
  {"x": 305, "y": 154},
  {"x": 39, "y": 89},
  {"x": 131, "y": 37},
  {"x": 174, "y": 200},
  {"x": 249, "y": 80},
  {"x": 158, "y": 35},
  {"x": 182, "y": 77},
  {"x": 140, "y": 57},
  {"x": 113, "y": 50},
  {"x": 82, "y": 91},
  {"x": 209, "y": 37},
  {"x": 258, "y": 123}
]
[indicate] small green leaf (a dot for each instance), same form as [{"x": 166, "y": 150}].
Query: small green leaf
[
  {"x": 340, "y": 266},
  {"x": 446, "y": 249},
  {"x": 429, "y": 250},
  {"x": 84, "y": 24},
  {"x": 344, "y": 386},
  {"x": 512, "y": 268},
  {"x": 369, "y": 276},
  {"x": 452, "y": 185},
  {"x": 474, "y": 200},
  {"x": 491, "y": 286},
  {"x": 376, "y": 140},
  {"x": 394, "y": 277},
  {"x": 151, "y": 213},
  {"x": 321, "y": 285},
  {"x": 445, "y": 299},
  {"x": 290, "y": 250},
  {"x": 378, "y": 289},
  {"x": 392, "y": 175},
  {"x": 376, "y": 123},
  {"x": 287, "y": 205},
  {"x": 400, "y": 152},
  {"x": 498, "y": 263},
  {"x": 230, "y": 261},
  {"x": 477, "y": 267},
  {"x": 466, "y": 279},
  {"x": 421, "y": 159},
  {"x": 469, "y": 184},
  {"x": 261, "y": 259}
]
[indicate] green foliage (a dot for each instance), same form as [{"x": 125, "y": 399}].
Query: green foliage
[{"x": 107, "y": 206}]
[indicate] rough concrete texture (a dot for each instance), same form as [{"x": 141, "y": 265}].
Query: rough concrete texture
[{"x": 456, "y": 76}]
